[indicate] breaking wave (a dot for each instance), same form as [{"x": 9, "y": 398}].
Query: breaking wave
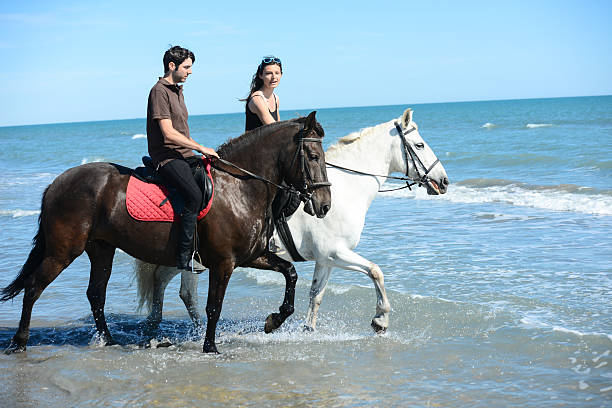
[
  {"x": 18, "y": 213},
  {"x": 537, "y": 125},
  {"x": 562, "y": 197}
]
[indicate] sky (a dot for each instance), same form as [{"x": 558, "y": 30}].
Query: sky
[{"x": 70, "y": 61}]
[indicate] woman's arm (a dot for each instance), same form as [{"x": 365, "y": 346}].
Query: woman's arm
[{"x": 180, "y": 139}]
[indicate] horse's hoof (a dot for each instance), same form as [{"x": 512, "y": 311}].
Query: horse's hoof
[
  {"x": 109, "y": 341},
  {"x": 150, "y": 325},
  {"x": 309, "y": 329},
  {"x": 210, "y": 348},
  {"x": 14, "y": 348},
  {"x": 378, "y": 328},
  {"x": 272, "y": 323}
]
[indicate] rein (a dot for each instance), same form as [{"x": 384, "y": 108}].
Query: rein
[{"x": 408, "y": 153}]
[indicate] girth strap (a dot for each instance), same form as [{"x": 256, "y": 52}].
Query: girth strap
[{"x": 285, "y": 235}]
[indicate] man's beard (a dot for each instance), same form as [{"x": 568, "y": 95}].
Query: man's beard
[{"x": 176, "y": 77}]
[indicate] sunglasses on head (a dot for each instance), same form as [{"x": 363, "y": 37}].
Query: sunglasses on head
[{"x": 270, "y": 59}]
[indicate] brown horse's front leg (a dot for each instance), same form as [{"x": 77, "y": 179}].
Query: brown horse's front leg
[
  {"x": 272, "y": 262},
  {"x": 219, "y": 277}
]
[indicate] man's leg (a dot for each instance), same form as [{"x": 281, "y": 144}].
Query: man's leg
[{"x": 178, "y": 173}]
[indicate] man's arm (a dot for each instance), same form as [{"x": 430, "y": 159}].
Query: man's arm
[{"x": 178, "y": 138}]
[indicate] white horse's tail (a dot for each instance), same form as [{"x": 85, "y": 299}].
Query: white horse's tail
[{"x": 145, "y": 280}]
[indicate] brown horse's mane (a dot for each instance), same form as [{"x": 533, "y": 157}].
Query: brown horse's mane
[{"x": 247, "y": 138}]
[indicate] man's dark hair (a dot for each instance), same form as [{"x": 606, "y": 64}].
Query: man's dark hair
[{"x": 177, "y": 55}]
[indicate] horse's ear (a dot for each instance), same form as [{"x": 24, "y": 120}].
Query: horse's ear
[
  {"x": 407, "y": 117},
  {"x": 310, "y": 122}
]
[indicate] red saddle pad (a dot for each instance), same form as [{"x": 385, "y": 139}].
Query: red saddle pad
[{"x": 143, "y": 201}]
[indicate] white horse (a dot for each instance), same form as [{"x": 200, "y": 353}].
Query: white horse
[{"x": 374, "y": 153}]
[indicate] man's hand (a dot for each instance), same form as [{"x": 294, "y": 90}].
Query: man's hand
[{"x": 208, "y": 152}]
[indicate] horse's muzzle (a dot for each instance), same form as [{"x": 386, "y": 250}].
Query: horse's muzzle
[
  {"x": 437, "y": 188},
  {"x": 319, "y": 203}
]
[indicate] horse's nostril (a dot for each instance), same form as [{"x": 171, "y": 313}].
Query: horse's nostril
[
  {"x": 445, "y": 181},
  {"x": 325, "y": 209}
]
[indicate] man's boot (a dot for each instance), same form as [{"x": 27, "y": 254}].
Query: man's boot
[{"x": 185, "y": 259}]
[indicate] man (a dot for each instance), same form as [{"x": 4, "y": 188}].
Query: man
[{"x": 171, "y": 147}]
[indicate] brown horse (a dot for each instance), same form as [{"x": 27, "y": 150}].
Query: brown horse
[{"x": 84, "y": 209}]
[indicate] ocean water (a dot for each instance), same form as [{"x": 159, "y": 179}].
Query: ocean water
[{"x": 501, "y": 290}]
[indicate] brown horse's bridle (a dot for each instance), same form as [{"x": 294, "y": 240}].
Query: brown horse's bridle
[{"x": 308, "y": 184}]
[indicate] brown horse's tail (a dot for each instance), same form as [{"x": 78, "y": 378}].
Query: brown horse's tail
[{"x": 34, "y": 260}]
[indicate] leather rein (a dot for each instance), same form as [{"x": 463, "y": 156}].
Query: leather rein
[{"x": 409, "y": 155}]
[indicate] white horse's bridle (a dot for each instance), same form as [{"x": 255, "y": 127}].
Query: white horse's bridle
[
  {"x": 410, "y": 155},
  {"x": 409, "y": 152}
]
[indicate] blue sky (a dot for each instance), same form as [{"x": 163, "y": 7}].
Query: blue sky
[{"x": 68, "y": 61}]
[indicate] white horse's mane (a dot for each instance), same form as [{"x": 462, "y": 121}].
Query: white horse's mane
[{"x": 354, "y": 139}]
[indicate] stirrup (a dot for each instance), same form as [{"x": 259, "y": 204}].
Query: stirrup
[{"x": 196, "y": 267}]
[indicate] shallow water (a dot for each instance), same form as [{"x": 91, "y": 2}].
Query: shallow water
[{"x": 500, "y": 289}]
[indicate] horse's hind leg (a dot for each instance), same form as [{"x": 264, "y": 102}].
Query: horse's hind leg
[
  {"x": 162, "y": 275},
  {"x": 101, "y": 258},
  {"x": 34, "y": 285},
  {"x": 189, "y": 295},
  {"x": 317, "y": 290}
]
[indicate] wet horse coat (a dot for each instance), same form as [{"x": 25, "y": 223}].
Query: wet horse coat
[{"x": 84, "y": 209}]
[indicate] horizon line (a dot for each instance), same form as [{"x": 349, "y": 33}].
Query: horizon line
[{"x": 322, "y": 108}]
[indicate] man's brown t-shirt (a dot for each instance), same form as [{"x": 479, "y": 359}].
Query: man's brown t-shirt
[{"x": 166, "y": 102}]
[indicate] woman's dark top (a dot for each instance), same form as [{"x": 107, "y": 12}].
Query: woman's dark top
[{"x": 252, "y": 120}]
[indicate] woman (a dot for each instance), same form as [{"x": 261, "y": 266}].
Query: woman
[
  {"x": 262, "y": 109},
  {"x": 262, "y": 103}
]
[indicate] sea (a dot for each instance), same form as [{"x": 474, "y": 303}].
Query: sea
[{"x": 501, "y": 289}]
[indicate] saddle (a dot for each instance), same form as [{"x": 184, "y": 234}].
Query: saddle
[{"x": 149, "y": 199}]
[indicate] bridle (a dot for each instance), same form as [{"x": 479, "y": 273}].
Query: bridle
[
  {"x": 410, "y": 155},
  {"x": 414, "y": 157},
  {"x": 308, "y": 185}
]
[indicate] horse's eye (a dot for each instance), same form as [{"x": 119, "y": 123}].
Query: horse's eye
[
  {"x": 313, "y": 157},
  {"x": 419, "y": 146}
]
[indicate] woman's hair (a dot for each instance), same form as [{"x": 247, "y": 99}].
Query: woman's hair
[
  {"x": 177, "y": 55},
  {"x": 257, "y": 82}
]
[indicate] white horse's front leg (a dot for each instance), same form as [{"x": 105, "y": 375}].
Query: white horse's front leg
[
  {"x": 189, "y": 295},
  {"x": 317, "y": 289},
  {"x": 350, "y": 260}
]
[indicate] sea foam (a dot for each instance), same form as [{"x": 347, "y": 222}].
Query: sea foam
[
  {"x": 139, "y": 136},
  {"x": 86, "y": 160},
  {"x": 537, "y": 125},
  {"x": 18, "y": 213},
  {"x": 553, "y": 198}
]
